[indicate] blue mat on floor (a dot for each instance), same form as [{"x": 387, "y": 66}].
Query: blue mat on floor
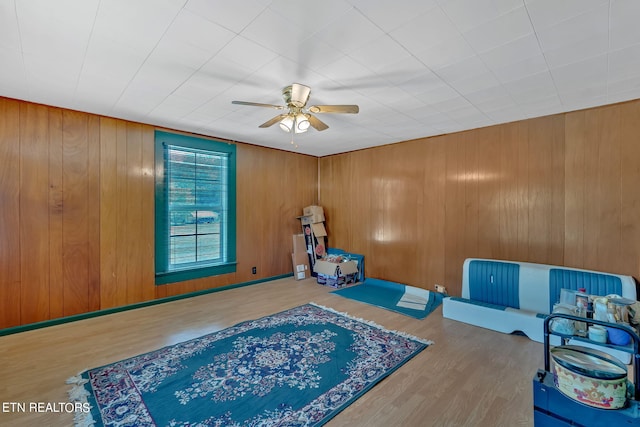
[{"x": 404, "y": 299}]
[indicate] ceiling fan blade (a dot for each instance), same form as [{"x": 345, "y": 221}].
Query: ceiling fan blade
[
  {"x": 349, "y": 109},
  {"x": 257, "y": 104},
  {"x": 316, "y": 123},
  {"x": 300, "y": 94},
  {"x": 273, "y": 121}
]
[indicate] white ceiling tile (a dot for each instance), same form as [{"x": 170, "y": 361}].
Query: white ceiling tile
[
  {"x": 584, "y": 74},
  {"x": 46, "y": 28},
  {"x": 583, "y": 98},
  {"x": 591, "y": 25},
  {"x": 512, "y": 51},
  {"x": 312, "y": 15},
  {"x": 425, "y": 82},
  {"x": 234, "y": 15},
  {"x": 438, "y": 95},
  {"x": 517, "y": 70},
  {"x": 138, "y": 24},
  {"x": 468, "y": 14},
  {"x": 369, "y": 53},
  {"x": 624, "y": 93},
  {"x": 449, "y": 51},
  {"x": 404, "y": 70},
  {"x": 421, "y": 111},
  {"x": 174, "y": 106},
  {"x": 469, "y": 117},
  {"x": 501, "y": 30},
  {"x": 262, "y": 31},
  {"x": 9, "y": 32},
  {"x": 533, "y": 87},
  {"x": 624, "y": 19},
  {"x": 201, "y": 87},
  {"x": 466, "y": 68},
  {"x": 195, "y": 32},
  {"x": 12, "y": 73},
  {"x": 490, "y": 98},
  {"x": 49, "y": 78},
  {"x": 349, "y": 31},
  {"x": 474, "y": 83},
  {"x": 506, "y": 115},
  {"x": 567, "y": 54},
  {"x": 533, "y": 107},
  {"x": 451, "y": 104},
  {"x": 390, "y": 18},
  {"x": 546, "y": 13},
  {"x": 107, "y": 70},
  {"x": 245, "y": 53},
  {"x": 425, "y": 31},
  {"x": 624, "y": 63},
  {"x": 348, "y": 70},
  {"x": 313, "y": 53}
]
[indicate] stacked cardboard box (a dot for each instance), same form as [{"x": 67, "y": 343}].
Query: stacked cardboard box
[
  {"x": 335, "y": 268},
  {"x": 299, "y": 258},
  {"x": 314, "y": 233}
]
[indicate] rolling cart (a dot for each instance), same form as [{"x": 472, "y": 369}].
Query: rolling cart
[{"x": 551, "y": 408}]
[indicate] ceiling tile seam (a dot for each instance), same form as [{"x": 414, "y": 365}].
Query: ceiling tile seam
[
  {"x": 481, "y": 59},
  {"x": 546, "y": 61},
  {"x": 196, "y": 71},
  {"x": 148, "y": 56},
  {"x": 24, "y": 66},
  {"x": 86, "y": 50},
  {"x": 484, "y": 114},
  {"x": 315, "y": 32},
  {"x": 423, "y": 64},
  {"x": 220, "y": 24},
  {"x": 606, "y": 93}
]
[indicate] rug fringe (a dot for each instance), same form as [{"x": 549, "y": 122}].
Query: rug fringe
[
  {"x": 374, "y": 324},
  {"x": 78, "y": 393}
]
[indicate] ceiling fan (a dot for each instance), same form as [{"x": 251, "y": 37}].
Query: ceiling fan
[{"x": 298, "y": 117}]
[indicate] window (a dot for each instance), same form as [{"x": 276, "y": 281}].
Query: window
[{"x": 195, "y": 207}]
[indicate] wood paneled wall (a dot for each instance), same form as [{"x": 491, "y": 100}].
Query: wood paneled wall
[
  {"x": 77, "y": 213},
  {"x": 76, "y": 205},
  {"x": 561, "y": 189}
]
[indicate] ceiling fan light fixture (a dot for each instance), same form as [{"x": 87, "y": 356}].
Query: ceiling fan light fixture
[
  {"x": 302, "y": 123},
  {"x": 287, "y": 123}
]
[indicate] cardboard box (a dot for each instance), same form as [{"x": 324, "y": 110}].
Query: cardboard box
[
  {"x": 359, "y": 259},
  {"x": 310, "y": 219},
  {"x": 299, "y": 244},
  {"x": 336, "y": 274},
  {"x": 319, "y": 230},
  {"x": 312, "y": 215},
  {"x": 300, "y": 261},
  {"x": 313, "y": 210},
  {"x": 315, "y": 241}
]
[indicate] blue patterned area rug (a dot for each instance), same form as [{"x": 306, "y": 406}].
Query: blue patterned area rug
[
  {"x": 404, "y": 299},
  {"x": 299, "y": 367}
]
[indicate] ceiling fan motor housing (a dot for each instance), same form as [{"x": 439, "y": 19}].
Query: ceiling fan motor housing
[{"x": 296, "y": 95}]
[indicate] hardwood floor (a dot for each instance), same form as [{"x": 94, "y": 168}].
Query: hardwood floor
[{"x": 469, "y": 377}]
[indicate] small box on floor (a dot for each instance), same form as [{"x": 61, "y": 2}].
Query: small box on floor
[
  {"x": 336, "y": 274},
  {"x": 301, "y": 268}
]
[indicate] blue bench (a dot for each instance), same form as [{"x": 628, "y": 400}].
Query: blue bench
[{"x": 508, "y": 296}]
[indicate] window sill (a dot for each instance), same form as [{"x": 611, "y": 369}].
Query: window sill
[{"x": 194, "y": 273}]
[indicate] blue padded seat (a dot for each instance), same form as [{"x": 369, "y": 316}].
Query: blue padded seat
[{"x": 495, "y": 283}]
